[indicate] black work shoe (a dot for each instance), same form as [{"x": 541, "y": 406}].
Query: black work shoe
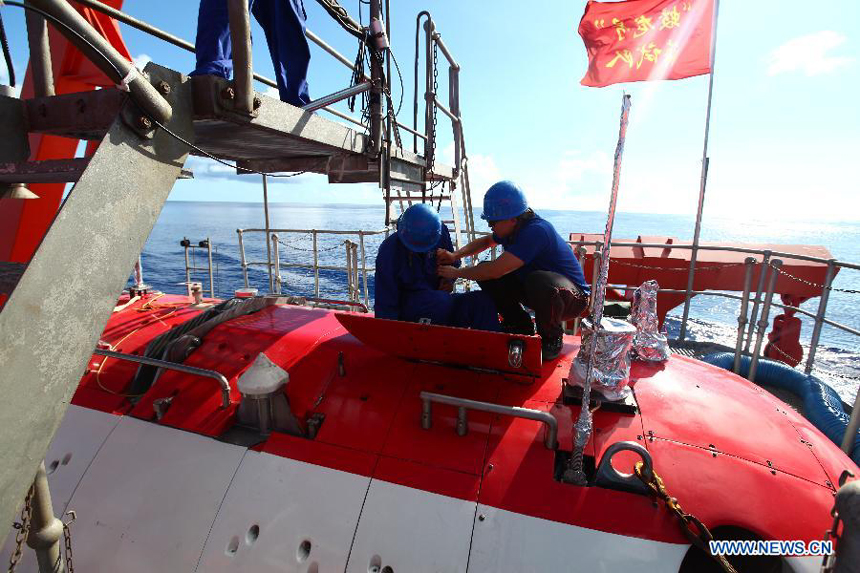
[{"x": 551, "y": 347}]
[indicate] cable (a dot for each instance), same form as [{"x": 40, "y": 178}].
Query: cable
[
  {"x": 5, "y": 43},
  {"x": 400, "y": 76}
]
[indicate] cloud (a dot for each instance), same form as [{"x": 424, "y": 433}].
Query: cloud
[
  {"x": 140, "y": 61},
  {"x": 808, "y": 54},
  {"x": 19, "y": 79},
  {"x": 205, "y": 168},
  {"x": 272, "y": 92}
]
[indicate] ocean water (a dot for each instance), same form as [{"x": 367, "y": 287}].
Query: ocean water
[{"x": 712, "y": 318}]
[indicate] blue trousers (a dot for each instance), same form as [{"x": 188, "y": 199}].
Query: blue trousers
[
  {"x": 465, "y": 310},
  {"x": 283, "y": 22}
]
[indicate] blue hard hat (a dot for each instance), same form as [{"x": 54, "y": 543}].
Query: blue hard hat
[
  {"x": 504, "y": 200},
  {"x": 419, "y": 228}
]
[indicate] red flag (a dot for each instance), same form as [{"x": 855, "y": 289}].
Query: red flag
[{"x": 639, "y": 40}]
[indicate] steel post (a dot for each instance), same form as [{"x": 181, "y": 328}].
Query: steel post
[
  {"x": 211, "y": 276},
  {"x": 316, "y": 265},
  {"x": 595, "y": 272},
  {"x": 276, "y": 255},
  {"x": 242, "y": 256},
  {"x": 243, "y": 77},
  {"x": 742, "y": 316},
  {"x": 46, "y": 335},
  {"x": 268, "y": 231},
  {"x": 105, "y": 57},
  {"x": 429, "y": 95},
  {"x": 45, "y": 529},
  {"x": 850, "y": 436},
  {"x": 703, "y": 181},
  {"x": 40, "y": 54},
  {"x": 364, "y": 268},
  {"x": 765, "y": 267},
  {"x": 187, "y": 263},
  {"x": 819, "y": 316},
  {"x": 378, "y": 80},
  {"x": 763, "y": 322}
]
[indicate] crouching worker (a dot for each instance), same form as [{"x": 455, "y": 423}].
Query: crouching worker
[
  {"x": 537, "y": 269},
  {"x": 407, "y": 286}
]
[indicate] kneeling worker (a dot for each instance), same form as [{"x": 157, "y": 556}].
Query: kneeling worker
[
  {"x": 407, "y": 285},
  {"x": 537, "y": 269}
]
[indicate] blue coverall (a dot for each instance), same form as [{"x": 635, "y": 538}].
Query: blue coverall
[
  {"x": 283, "y": 22},
  {"x": 407, "y": 288}
]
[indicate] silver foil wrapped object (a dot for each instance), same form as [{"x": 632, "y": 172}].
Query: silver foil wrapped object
[
  {"x": 611, "y": 375},
  {"x": 649, "y": 344}
]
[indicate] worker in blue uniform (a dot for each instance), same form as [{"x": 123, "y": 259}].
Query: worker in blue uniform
[
  {"x": 283, "y": 22},
  {"x": 407, "y": 286},
  {"x": 537, "y": 269}
]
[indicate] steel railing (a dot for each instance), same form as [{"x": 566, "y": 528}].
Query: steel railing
[{"x": 356, "y": 268}]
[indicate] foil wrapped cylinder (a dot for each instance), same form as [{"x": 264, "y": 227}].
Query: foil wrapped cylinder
[
  {"x": 649, "y": 344},
  {"x": 611, "y": 375}
]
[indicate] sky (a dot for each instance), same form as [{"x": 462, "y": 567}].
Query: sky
[{"x": 783, "y": 133}]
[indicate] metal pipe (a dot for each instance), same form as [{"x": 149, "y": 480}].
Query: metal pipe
[
  {"x": 40, "y": 54},
  {"x": 217, "y": 376},
  {"x": 378, "y": 80},
  {"x": 185, "y": 244},
  {"x": 320, "y": 231},
  {"x": 211, "y": 277},
  {"x": 819, "y": 317},
  {"x": 595, "y": 272},
  {"x": 410, "y": 130},
  {"x": 242, "y": 256},
  {"x": 45, "y": 529},
  {"x": 348, "y": 271},
  {"x": 415, "y": 82},
  {"x": 454, "y": 102},
  {"x": 550, "y": 440},
  {"x": 331, "y": 51},
  {"x": 337, "y": 96},
  {"x": 364, "y": 267},
  {"x": 765, "y": 267},
  {"x": 437, "y": 37},
  {"x": 268, "y": 231},
  {"x": 763, "y": 323},
  {"x": 105, "y": 57},
  {"x": 703, "y": 181},
  {"x": 240, "y": 34},
  {"x": 428, "y": 94},
  {"x": 853, "y": 424},
  {"x": 742, "y": 316},
  {"x": 277, "y": 256},
  {"x": 445, "y": 110},
  {"x": 316, "y": 267}
]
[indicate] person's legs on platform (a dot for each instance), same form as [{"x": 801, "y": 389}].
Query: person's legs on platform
[
  {"x": 283, "y": 22},
  {"x": 554, "y": 298},
  {"x": 475, "y": 310},
  {"x": 507, "y": 293},
  {"x": 212, "y": 45},
  {"x": 435, "y": 305}
]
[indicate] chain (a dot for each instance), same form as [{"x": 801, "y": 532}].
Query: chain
[
  {"x": 816, "y": 285},
  {"x": 432, "y": 158},
  {"x": 289, "y": 246},
  {"x": 67, "y": 541},
  {"x": 679, "y": 269},
  {"x": 695, "y": 531},
  {"x": 23, "y": 530}
]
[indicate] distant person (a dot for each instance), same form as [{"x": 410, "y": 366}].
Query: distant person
[
  {"x": 407, "y": 286},
  {"x": 283, "y": 22},
  {"x": 537, "y": 269}
]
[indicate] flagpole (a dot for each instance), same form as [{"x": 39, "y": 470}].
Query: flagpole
[{"x": 703, "y": 180}]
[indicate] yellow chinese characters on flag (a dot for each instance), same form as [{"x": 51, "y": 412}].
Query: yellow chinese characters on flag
[{"x": 641, "y": 40}]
